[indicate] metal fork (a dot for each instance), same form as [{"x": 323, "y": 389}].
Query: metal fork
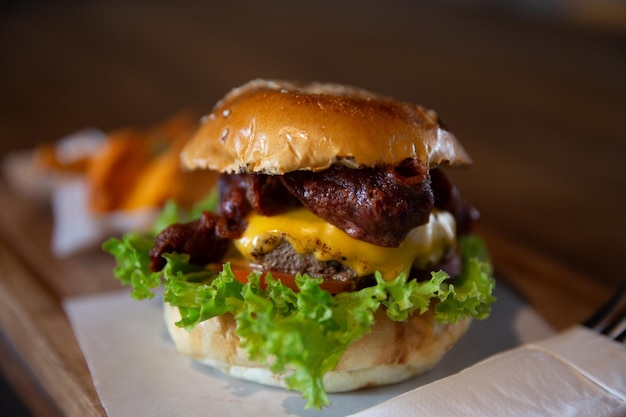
[{"x": 610, "y": 319}]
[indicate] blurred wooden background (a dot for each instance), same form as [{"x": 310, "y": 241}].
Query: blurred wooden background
[
  {"x": 537, "y": 95},
  {"x": 535, "y": 90}
]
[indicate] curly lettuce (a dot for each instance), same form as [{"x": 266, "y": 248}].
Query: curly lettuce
[{"x": 302, "y": 333}]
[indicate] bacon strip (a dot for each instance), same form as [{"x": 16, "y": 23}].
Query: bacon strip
[
  {"x": 198, "y": 239},
  {"x": 376, "y": 205}
]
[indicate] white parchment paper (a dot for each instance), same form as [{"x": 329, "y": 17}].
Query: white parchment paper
[{"x": 576, "y": 373}]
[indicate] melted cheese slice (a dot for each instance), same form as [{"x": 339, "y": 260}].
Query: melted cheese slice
[{"x": 307, "y": 233}]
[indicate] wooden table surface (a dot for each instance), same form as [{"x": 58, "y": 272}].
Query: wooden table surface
[{"x": 540, "y": 104}]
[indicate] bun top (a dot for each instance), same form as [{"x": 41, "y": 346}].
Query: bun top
[{"x": 274, "y": 127}]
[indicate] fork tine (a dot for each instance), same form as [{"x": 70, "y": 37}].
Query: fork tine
[
  {"x": 603, "y": 318},
  {"x": 616, "y": 329}
]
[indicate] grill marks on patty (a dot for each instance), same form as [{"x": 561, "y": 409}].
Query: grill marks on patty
[{"x": 376, "y": 205}]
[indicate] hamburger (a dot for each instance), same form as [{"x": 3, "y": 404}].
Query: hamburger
[{"x": 334, "y": 253}]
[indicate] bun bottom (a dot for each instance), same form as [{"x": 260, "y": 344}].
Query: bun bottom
[{"x": 391, "y": 353}]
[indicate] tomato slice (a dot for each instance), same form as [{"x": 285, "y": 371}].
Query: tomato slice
[{"x": 241, "y": 273}]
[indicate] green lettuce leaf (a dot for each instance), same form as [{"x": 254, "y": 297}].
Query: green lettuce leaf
[
  {"x": 131, "y": 253},
  {"x": 302, "y": 333}
]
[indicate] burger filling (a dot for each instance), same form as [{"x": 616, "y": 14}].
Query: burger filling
[
  {"x": 340, "y": 245},
  {"x": 299, "y": 241},
  {"x": 340, "y": 224}
]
